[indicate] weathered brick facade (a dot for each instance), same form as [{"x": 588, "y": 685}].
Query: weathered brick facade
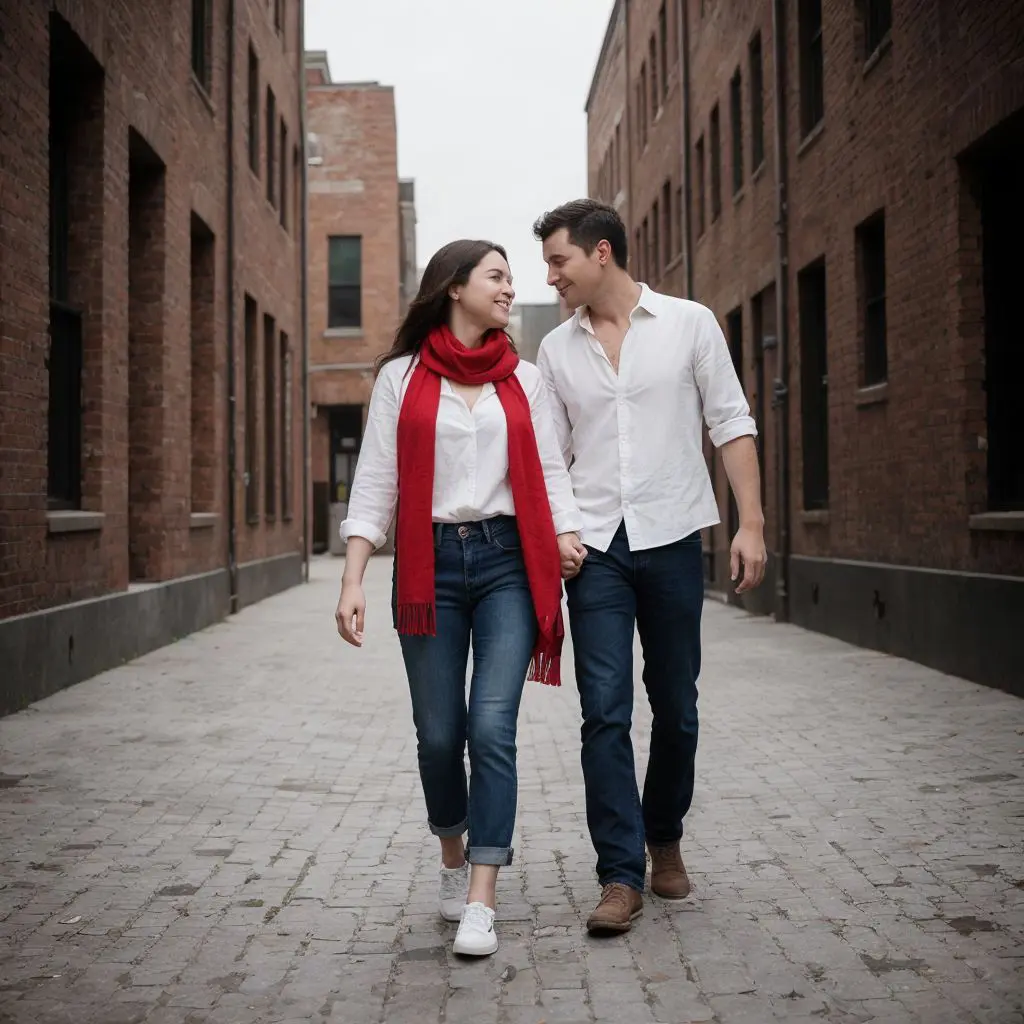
[
  {"x": 155, "y": 245},
  {"x": 900, "y": 523},
  {"x": 353, "y": 195}
]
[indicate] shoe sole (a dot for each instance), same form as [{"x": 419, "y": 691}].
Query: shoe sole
[
  {"x": 615, "y": 929},
  {"x": 475, "y": 952},
  {"x": 671, "y": 896}
]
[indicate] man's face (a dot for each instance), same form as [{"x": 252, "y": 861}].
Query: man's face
[{"x": 571, "y": 271}]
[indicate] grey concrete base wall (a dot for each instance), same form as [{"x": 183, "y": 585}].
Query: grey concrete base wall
[
  {"x": 45, "y": 651},
  {"x": 967, "y": 624},
  {"x": 268, "y": 576}
]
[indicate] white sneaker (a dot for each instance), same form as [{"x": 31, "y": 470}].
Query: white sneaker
[
  {"x": 476, "y": 931},
  {"x": 454, "y": 889}
]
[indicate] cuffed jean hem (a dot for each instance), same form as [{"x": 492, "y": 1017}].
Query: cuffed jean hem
[
  {"x": 450, "y": 831},
  {"x": 621, "y": 879},
  {"x": 496, "y": 856}
]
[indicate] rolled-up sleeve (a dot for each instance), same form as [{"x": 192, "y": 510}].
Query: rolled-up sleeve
[
  {"x": 564, "y": 510},
  {"x": 726, "y": 411},
  {"x": 374, "y": 492}
]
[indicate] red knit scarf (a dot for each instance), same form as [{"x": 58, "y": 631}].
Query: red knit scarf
[{"x": 443, "y": 355}]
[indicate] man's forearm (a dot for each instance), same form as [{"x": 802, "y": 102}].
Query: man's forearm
[{"x": 740, "y": 458}]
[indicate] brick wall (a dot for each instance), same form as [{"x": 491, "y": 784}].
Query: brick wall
[
  {"x": 906, "y": 460},
  {"x": 147, "y": 158}
]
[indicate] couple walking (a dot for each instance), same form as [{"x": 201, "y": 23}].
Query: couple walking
[{"x": 508, "y": 478}]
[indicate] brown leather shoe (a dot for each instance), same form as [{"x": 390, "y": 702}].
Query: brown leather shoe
[
  {"x": 619, "y": 907},
  {"x": 668, "y": 873}
]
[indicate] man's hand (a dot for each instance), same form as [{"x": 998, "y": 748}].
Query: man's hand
[
  {"x": 571, "y": 552},
  {"x": 350, "y": 613},
  {"x": 748, "y": 548}
]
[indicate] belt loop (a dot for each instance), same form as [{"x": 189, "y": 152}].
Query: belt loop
[{"x": 486, "y": 524}]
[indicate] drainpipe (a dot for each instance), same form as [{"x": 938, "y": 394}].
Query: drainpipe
[
  {"x": 304, "y": 299},
  {"x": 230, "y": 242},
  {"x": 629, "y": 129},
  {"x": 780, "y": 397},
  {"x": 684, "y": 66}
]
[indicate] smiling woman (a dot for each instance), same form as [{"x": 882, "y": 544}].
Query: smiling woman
[{"x": 460, "y": 442}]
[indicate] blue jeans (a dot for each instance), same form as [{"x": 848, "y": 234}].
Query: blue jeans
[
  {"x": 661, "y": 590},
  {"x": 483, "y": 598}
]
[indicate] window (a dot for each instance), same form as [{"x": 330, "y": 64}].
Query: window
[
  {"x": 716, "y": 164},
  {"x": 756, "y": 103},
  {"x": 701, "y": 187},
  {"x": 252, "y": 492},
  {"x": 271, "y": 147},
  {"x": 736, "y": 122},
  {"x": 812, "y": 66},
  {"x": 877, "y": 24},
  {"x": 814, "y": 384},
  {"x": 871, "y": 280},
  {"x": 285, "y": 429},
  {"x": 762, "y": 315},
  {"x": 618, "y": 158},
  {"x": 269, "y": 419},
  {"x": 645, "y": 233},
  {"x": 678, "y": 227},
  {"x": 643, "y": 106},
  {"x": 344, "y": 284},
  {"x": 314, "y": 151},
  {"x": 201, "y": 39},
  {"x": 652, "y": 60},
  {"x": 279, "y": 15},
  {"x": 254, "y": 111},
  {"x": 203, "y": 368},
  {"x": 638, "y": 266},
  {"x": 656, "y": 263},
  {"x": 663, "y": 49},
  {"x": 283, "y": 174},
  {"x": 666, "y": 230}
]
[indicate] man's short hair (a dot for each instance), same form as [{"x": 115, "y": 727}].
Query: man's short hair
[{"x": 588, "y": 222}]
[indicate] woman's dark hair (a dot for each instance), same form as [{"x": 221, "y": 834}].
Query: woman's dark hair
[
  {"x": 588, "y": 223},
  {"x": 449, "y": 266}
]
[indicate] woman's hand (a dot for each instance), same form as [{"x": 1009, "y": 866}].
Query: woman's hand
[{"x": 350, "y": 613}]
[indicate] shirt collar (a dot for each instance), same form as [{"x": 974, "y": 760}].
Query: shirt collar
[{"x": 649, "y": 302}]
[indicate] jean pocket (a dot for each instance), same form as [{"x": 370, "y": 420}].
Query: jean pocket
[{"x": 505, "y": 537}]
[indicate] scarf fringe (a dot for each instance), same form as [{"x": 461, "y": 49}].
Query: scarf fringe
[
  {"x": 417, "y": 619},
  {"x": 545, "y": 668}
]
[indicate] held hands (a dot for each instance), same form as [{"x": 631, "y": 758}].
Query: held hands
[
  {"x": 571, "y": 552},
  {"x": 748, "y": 548},
  {"x": 350, "y": 613}
]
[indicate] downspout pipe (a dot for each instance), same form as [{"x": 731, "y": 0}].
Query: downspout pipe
[
  {"x": 629, "y": 133},
  {"x": 683, "y": 35},
  {"x": 232, "y": 539},
  {"x": 304, "y": 298},
  {"x": 780, "y": 388}
]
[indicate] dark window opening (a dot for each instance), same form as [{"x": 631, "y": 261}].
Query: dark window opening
[
  {"x": 271, "y": 147},
  {"x": 283, "y": 201},
  {"x": 716, "y": 164},
  {"x": 701, "y": 187},
  {"x": 734, "y": 336},
  {"x": 652, "y": 60},
  {"x": 663, "y": 49},
  {"x": 762, "y": 310},
  {"x": 814, "y": 385},
  {"x": 756, "y": 103},
  {"x": 666, "y": 232},
  {"x": 252, "y": 378},
  {"x": 877, "y": 24},
  {"x": 202, "y": 37},
  {"x": 203, "y": 368},
  {"x": 736, "y": 120},
  {"x": 871, "y": 279},
  {"x": 285, "y": 428},
  {"x": 269, "y": 418},
  {"x": 344, "y": 284},
  {"x": 655, "y": 242},
  {"x": 812, "y": 66},
  {"x": 254, "y": 111},
  {"x": 346, "y": 430}
]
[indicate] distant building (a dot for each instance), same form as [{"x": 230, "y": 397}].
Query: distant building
[
  {"x": 362, "y": 259},
  {"x": 841, "y": 184},
  {"x": 528, "y": 324},
  {"x": 151, "y": 376}
]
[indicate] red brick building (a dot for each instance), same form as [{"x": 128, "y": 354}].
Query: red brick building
[
  {"x": 840, "y": 182},
  {"x": 152, "y": 342},
  {"x": 362, "y": 271}
]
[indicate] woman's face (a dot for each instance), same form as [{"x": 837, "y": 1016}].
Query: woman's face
[{"x": 486, "y": 298}]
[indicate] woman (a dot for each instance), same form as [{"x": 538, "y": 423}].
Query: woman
[{"x": 459, "y": 439}]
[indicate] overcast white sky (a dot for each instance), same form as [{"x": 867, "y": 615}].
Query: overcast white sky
[{"x": 490, "y": 108}]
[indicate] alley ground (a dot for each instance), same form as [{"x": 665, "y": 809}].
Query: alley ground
[{"x": 231, "y": 831}]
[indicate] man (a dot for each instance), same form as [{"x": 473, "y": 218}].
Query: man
[{"x": 630, "y": 375}]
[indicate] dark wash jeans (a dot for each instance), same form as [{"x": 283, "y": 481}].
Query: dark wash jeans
[
  {"x": 483, "y": 599},
  {"x": 661, "y": 590}
]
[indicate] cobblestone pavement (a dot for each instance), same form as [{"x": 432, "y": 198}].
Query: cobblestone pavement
[{"x": 231, "y": 831}]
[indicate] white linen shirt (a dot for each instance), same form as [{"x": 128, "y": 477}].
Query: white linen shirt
[
  {"x": 470, "y": 457},
  {"x": 634, "y": 438}
]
